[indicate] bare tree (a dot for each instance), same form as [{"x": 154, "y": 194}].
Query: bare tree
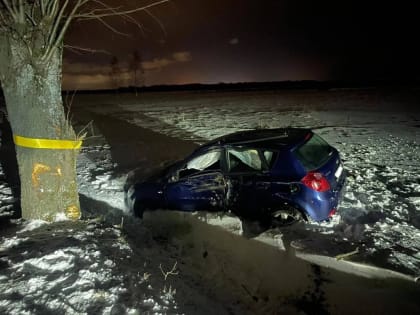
[
  {"x": 115, "y": 72},
  {"x": 31, "y": 47},
  {"x": 137, "y": 69}
]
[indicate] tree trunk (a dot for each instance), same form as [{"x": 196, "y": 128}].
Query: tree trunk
[{"x": 32, "y": 92}]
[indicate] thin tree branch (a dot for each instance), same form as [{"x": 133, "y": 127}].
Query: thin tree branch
[
  {"x": 90, "y": 15},
  {"x": 31, "y": 19},
  {"x": 57, "y": 21},
  {"x": 15, "y": 7},
  {"x": 76, "y": 50},
  {"x": 9, "y": 9},
  {"x": 21, "y": 12},
  {"x": 156, "y": 20},
  {"x": 59, "y": 14},
  {"x": 111, "y": 28},
  {"x": 107, "y": 9},
  {"x": 125, "y": 14},
  {"x": 64, "y": 28},
  {"x": 52, "y": 8},
  {"x": 42, "y": 7},
  {"x": 33, "y": 11}
]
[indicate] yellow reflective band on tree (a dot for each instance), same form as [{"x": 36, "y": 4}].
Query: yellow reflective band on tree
[{"x": 47, "y": 143}]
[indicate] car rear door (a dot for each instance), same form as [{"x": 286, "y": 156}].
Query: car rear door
[{"x": 245, "y": 187}]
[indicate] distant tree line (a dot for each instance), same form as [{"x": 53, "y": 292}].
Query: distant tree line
[{"x": 264, "y": 86}]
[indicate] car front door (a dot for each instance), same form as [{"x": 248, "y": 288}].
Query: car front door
[{"x": 198, "y": 184}]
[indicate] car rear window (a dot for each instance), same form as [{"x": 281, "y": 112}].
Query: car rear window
[{"x": 313, "y": 153}]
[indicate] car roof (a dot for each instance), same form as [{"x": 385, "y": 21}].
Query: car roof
[{"x": 275, "y": 138}]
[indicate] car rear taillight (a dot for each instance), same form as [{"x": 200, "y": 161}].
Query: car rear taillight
[{"x": 316, "y": 181}]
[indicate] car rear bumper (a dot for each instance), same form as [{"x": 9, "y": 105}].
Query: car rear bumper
[{"x": 320, "y": 206}]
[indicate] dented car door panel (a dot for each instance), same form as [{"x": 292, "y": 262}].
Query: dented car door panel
[{"x": 203, "y": 191}]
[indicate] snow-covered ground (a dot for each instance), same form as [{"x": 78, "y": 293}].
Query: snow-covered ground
[
  {"x": 377, "y": 134},
  {"x": 106, "y": 263},
  {"x": 111, "y": 264}
]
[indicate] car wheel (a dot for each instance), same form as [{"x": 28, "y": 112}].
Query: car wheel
[{"x": 286, "y": 216}]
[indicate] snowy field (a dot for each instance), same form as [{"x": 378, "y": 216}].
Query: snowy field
[
  {"x": 111, "y": 265},
  {"x": 377, "y": 134}
]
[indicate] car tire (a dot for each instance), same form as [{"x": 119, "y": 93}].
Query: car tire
[{"x": 286, "y": 216}]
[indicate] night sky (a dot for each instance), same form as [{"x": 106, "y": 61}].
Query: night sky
[{"x": 212, "y": 41}]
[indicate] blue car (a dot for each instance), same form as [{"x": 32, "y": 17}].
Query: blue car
[{"x": 267, "y": 175}]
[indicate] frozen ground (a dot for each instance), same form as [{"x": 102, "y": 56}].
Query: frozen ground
[
  {"x": 112, "y": 266},
  {"x": 106, "y": 263}
]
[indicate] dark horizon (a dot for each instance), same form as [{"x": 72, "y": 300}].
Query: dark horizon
[{"x": 262, "y": 86}]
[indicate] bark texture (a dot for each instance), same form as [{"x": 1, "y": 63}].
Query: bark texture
[{"x": 32, "y": 91}]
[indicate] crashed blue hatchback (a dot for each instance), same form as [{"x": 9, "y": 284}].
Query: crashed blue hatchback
[{"x": 268, "y": 175}]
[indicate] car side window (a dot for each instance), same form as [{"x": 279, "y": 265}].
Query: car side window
[
  {"x": 244, "y": 160},
  {"x": 204, "y": 162}
]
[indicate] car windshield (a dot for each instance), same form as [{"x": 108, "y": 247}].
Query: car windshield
[
  {"x": 205, "y": 161},
  {"x": 313, "y": 153}
]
